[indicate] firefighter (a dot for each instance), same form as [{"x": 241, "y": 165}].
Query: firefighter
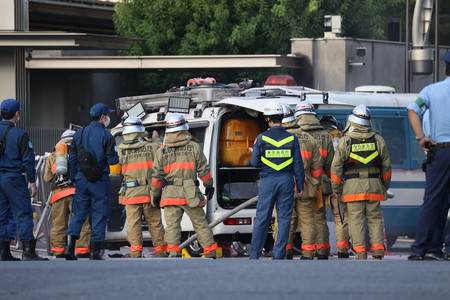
[
  {"x": 97, "y": 148},
  {"x": 175, "y": 186},
  {"x": 307, "y": 119},
  {"x": 136, "y": 155},
  {"x": 277, "y": 153},
  {"x": 61, "y": 200},
  {"x": 338, "y": 208},
  {"x": 303, "y": 213},
  {"x": 362, "y": 159},
  {"x": 16, "y": 159}
]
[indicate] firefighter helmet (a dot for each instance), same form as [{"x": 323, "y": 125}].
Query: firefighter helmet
[
  {"x": 288, "y": 113},
  {"x": 273, "y": 108},
  {"x": 360, "y": 115},
  {"x": 176, "y": 122},
  {"x": 67, "y": 135},
  {"x": 132, "y": 124},
  {"x": 304, "y": 107},
  {"x": 329, "y": 120}
]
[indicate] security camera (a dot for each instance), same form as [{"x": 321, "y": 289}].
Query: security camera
[{"x": 361, "y": 51}]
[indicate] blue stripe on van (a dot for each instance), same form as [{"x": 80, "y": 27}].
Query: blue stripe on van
[{"x": 407, "y": 184}]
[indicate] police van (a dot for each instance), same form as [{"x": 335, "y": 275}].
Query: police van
[{"x": 227, "y": 120}]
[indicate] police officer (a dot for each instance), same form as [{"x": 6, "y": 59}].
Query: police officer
[
  {"x": 277, "y": 153},
  {"x": 433, "y": 100},
  {"x": 91, "y": 197},
  {"x": 175, "y": 186},
  {"x": 61, "y": 200},
  {"x": 337, "y": 206},
  {"x": 17, "y": 158},
  {"x": 136, "y": 155},
  {"x": 307, "y": 119},
  {"x": 362, "y": 159},
  {"x": 303, "y": 213}
]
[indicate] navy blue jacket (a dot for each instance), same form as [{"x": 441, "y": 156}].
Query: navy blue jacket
[
  {"x": 19, "y": 155},
  {"x": 278, "y": 133},
  {"x": 99, "y": 143}
]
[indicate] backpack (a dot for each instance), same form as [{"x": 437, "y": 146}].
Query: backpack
[{"x": 87, "y": 163}]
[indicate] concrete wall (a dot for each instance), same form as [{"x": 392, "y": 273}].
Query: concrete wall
[
  {"x": 331, "y": 61},
  {"x": 7, "y": 14},
  {"x": 7, "y": 73}
]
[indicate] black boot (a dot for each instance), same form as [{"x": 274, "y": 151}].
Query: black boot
[
  {"x": 69, "y": 251},
  {"x": 96, "y": 247},
  {"x": 29, "y": 251},
  {"x": 6, "y": 253}
]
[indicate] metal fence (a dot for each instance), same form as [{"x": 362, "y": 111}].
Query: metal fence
[{"x": 44, "y": 139}]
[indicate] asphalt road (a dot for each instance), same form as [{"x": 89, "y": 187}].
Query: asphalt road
[{"x": 229, "y": 278}]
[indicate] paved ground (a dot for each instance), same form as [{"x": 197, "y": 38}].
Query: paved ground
[{"x": 230, "y": 278}]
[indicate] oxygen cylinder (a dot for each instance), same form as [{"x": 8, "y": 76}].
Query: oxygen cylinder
[{"x": 61, "y": 158}]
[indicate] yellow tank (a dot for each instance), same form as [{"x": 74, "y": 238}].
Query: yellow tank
[{"x": 236, "y": 137}]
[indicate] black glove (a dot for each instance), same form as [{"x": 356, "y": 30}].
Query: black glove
[
  {"x": 209, "y": 191},
  {"x": 156, "y": 201}
]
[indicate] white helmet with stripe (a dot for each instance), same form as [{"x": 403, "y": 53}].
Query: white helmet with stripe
[
  {"x": 132, "y": 124},
  {"x": 67, "y": 135},
  {"x": 176, "y": 122},
  {"x": 288, "y": 113},
  {"x": 360, "y": 115},
  {"x": 273, "y": 108},
  {"x": 304, "y": 107}
]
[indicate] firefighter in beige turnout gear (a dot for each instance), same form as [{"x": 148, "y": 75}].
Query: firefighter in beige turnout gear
[
  {"x": 307, "y": 119},
  {"x": 61, "y": 201},
  {"x": 303, "y": 213},
  {"x": 362, "y": 159},
  {"x": 340, "y": 224},
  {"x": 136, "y": 156},
  {"x": 175, "y": 186}
]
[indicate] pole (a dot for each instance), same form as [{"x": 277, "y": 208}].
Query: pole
[
  {"x": 407, "y": 47},
  {"x": 220, "y": 220},
  {"x": 436, "y": 42}
]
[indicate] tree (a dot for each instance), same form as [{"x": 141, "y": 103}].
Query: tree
[{"x": 198, "y": 27}]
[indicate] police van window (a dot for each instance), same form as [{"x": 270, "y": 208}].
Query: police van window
[
  {"x": 393, "y": 131},
  {"x": 417, "y": 153}
]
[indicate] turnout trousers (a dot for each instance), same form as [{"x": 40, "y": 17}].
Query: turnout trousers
[
  {"x": 173, "y": 215},
  {"x": 61, "y": 210},
  {"x": 276, "y": 189},
  {"x": 15, "y": 198},
  {"x": 433, "y": 212},
  {"x": 341, "y": 227},
  {"x": 91, "y": 198},
  {"x": 369, "y": 211},
  {"x": 323, "y": 233},
  {"x": 134, "y": 228}
]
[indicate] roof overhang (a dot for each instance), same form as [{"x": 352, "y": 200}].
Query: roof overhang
[
  {"x": 165, "y": 62},
  {"x": 58, "y": 40}
]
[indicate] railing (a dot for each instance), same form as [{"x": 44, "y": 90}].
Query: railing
[{"x": 44, "y": 139}]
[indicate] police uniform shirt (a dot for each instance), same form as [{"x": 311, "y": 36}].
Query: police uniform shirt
[{"x": 436, "y": 98}]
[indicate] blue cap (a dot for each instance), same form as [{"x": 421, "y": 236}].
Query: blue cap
[
  {"x": 100, "y": 109},
  {"x": 10, "y": 105},
  {"x": 446, "y": 57}
]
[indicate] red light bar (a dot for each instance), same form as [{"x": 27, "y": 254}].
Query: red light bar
[
  {"x": 282, "y": 80},
  {"x": 238, "y": 221}
]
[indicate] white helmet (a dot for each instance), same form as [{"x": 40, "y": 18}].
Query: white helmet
[
  {"x": 304, "y": 107},
  {"x": 288, "y": 113},
  {"x": 273, "y": 108},
  {"x": 176, "y": 122},
  {"x": 67, "y": 135},
  {"x": 360, "y": 115},
  {"x": 132, "y": 124}
]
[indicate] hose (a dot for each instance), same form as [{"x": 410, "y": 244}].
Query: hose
[{"x": 221, "y": 219}]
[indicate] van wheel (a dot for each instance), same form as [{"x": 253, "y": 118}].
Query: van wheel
[
  {"x": 391, "y": 239},
  {"x": 194, "y": 249}
]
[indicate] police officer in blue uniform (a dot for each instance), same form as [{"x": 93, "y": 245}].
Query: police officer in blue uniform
[
  {"x": 16, "y": 159},
  {"x": 91, "y": 197},
  {"x": 277, "y": 153},
  {"x": 435, "y": 100}
]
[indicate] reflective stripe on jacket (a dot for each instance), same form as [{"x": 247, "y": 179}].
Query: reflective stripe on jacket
[
  {"x": 136, "y": 155},
  {"x": 363, "y": 186}
]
